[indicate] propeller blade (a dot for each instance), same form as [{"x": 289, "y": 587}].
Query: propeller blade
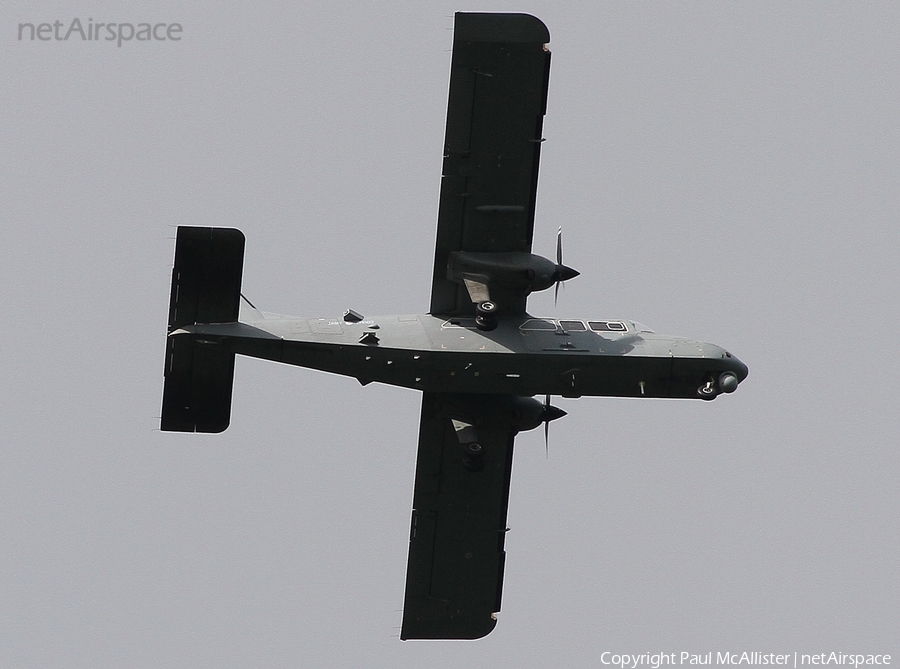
[
  {"x": 562, "y": 272},
  {"x": 550, "y": 413},
  {"x": 559, "y": 246},
  {"x": 547, "y": 423}
]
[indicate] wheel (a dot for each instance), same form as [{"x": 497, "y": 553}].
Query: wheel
[
  {"x": 486, "y": 323},
  {"x": 707, "y": 392},
  {"x": 486, "y": 308},
  {"x": 473, "y": 460}
]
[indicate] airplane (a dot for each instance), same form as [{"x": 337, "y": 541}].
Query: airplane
[{"x": 479, "y": 358}]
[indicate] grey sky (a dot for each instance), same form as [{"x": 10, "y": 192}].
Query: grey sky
[{"x": 724, "y": 171}]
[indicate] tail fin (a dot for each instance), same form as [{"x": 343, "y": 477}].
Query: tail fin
[{"x": 206, "y": 288}]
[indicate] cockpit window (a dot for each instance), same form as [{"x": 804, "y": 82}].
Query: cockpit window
[
  {"x": 640, "y": 327},
  {"x": 607, "y": 326},
  {"x": 538, "y": 324},
  {"x": 572, "y": 326}
]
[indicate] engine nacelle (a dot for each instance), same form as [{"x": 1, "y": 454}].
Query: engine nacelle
[
  {"x": 501, "y": 411},
  {"x": 522, "y": 272}
]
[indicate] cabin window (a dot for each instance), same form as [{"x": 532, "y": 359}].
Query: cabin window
[
  {"x": 607, "y": 326},
  {"x": 572, "y": 326},
  {"x": 538, "y": 324}
]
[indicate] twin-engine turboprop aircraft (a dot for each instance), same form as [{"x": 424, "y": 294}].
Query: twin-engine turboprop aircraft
[{"x": 477, "y": 356}]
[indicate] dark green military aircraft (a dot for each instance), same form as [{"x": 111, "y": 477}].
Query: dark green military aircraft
[{"x": 477, "y": 356}]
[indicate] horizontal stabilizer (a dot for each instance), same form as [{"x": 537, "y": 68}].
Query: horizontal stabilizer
[
  {"x": 197, "y": 389},
  {"x": 206, "y": 288},
  {"x": 206, "y": 279}
]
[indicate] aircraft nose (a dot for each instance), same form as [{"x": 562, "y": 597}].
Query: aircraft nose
[
  {"x": 738, "y": 367},
  {"x": 732, "y": 363}
]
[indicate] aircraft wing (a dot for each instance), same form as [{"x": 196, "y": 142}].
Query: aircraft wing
[
  {"x": 498, "y": 92},
  {"x": 455, "y": 571}
]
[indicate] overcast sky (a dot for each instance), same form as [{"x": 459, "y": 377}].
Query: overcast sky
[{"x": 723, "y": 171}]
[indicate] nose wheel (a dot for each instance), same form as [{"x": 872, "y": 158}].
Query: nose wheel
[
  {"x": 707, "y": 391},
  {"x": 726, "y": 383}
]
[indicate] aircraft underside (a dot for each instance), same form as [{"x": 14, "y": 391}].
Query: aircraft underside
[
  {"x": 478, "y": 357},
  {"x": 564, "y": 372}
]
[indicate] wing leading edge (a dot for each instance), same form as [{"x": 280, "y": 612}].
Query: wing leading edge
[
  {"x": 498, "y": 92},
  {"x": 454, "y": 575}
]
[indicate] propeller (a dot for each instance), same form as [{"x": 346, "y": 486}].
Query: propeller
[
  {"x": 549, "y": 413},
  {"x": 562, "y": 272}
]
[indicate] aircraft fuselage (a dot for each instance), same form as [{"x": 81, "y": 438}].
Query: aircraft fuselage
[{"x": 523, "y": 356}]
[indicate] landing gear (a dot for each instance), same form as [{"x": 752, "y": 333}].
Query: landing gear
[
  {"x": 473, "y": 457},
  {"x": 727, "y": 382},
  {"x": 708, "y": 391},
  {"x": 486, "y": 318},
  {"x": 486, "y": 308},
  {"x": 486, "y": 323}
]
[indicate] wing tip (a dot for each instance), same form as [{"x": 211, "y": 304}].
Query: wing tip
[
  {"x": 448, "y": 630},
  {"x": 500, "y": 27}
]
